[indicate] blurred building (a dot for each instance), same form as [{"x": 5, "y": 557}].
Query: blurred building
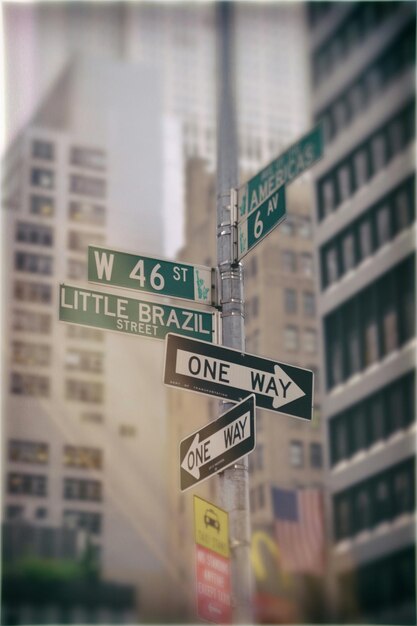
[
  {"x": 280, "y": 322},
  {"x": 363, "y": 71},
  {"x": 83, "y": 411}
]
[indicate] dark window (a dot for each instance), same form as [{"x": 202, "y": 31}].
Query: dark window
[
  {"x": 32, "y": 292},
  {"x": 40, "y": 177},
  {"x": 42, "y": 205},
  {"x": 33, "y": 263},
  {"x": 81, "y": 489},
  {"x": 84, "y": 520},
  {"x": 29, "y": 385},
  {"x": 87, "y": 186},
  {"x": 290, "y": 300},
  {"x": 35, "y": 234},
  {"x": 316, "y": 457},
  {"x": 82, "y": 457},
  {"x": 28, "y": 451},
  {"x": 27, "y": 484},
  {"x": 43, "y": 150}
]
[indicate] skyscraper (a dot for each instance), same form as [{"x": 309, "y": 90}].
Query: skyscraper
[{"x": 363, "y": 70}]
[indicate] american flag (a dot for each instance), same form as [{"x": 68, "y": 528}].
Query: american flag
[{"x": 299, "y": 526}]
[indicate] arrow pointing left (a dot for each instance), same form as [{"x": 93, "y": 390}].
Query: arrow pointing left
[{"x": 217, "y": 445}]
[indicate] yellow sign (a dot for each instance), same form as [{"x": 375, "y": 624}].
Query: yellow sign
[{"x": 211, "y": 526}]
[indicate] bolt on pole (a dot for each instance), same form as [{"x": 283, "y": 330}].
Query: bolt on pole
[{"x": 234, "y": 481}]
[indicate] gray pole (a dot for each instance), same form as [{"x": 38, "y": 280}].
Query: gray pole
[{"x": 234, "y": 481}]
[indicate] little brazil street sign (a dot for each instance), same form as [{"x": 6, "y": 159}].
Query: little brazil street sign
[
  {"x": 215, "y": 446},
  {"x": 141, "y": 273},
  {"x": 219, "y": 371},
  {"x": 280, "y": 171},
  {"x": 260, "y": 222},
  {"x": 135, "y": 317}
]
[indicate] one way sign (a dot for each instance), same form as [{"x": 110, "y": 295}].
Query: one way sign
[
  {"x": 219, "y": 371},
  {"x": 215, "y": 446}
]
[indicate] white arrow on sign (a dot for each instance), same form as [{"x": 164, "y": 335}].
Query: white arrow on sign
[
  {"x": 278, "y": 386},
  {"x": 200, "y": 452}
]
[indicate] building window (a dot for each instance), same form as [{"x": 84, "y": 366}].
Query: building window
[
  {"x": 310, "y": 341},
  {"x": 79, "y": 241},
  {"x": 82, "y": 457},
  {"x": 87, "y": 213},
  {"x": 289, "y": 261},
  {"x": 87, "y": 186},
  {"x": 296, "y": 454},
  {"x": 33, "y": 263},
  {"x": 83, "y": 520},
  {"x": 307, "y": 264},
  {"x": 82, "y": 391},
  {"x": 127, "y": 430},
  {"x": 42, "y": 205},
  {"x": 27, "y": 484},
  {"x": 28, "y": 451},
  {"x": 42, "y": 150},
  {"x": 316, "y": 460},
  {"x": 27, "y": 321},
  {"x": 29, "y": 385},
  {"x": 82, "y": 489},
  {"x": 348, "y": 247},
  {"x": 40, "y": 177},
  {"x": 84, "y": 361},
  {"x": 32, "y": 292},
  {"x": 290, "y": 300},
  {"x": 309, "y": 304},
  {"x": 288, "y": 226},
  {"x": 291, "y": 338},
  {"x": 92, "y": 418},
  {"x": 84, "y": 334},
  {"x": 30, "y": 354},
  {"x": 381, "y": 313},
  {"x": 304, "y": 227},
  {"x": 36, "y": 234},
  {"x": 77, "y": 269},
  {"x": 89, "y": 158}
]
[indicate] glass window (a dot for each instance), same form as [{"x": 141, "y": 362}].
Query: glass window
[
  {"x": 328, "y": 201},
  {"x": 304, "y": 227},
  {"x": 87, "y": 213},
  {"x": 378, "y": 152},
  {"x": 316, "y": 460},
  {"x": 88, "y": 157},
  {"x": 42, "y": 178},
  {"x": 310, "y": 341},
  {"x": 383, "y": 224},
  {"x": 83, "y": 391},
  {"x": 33, "y": 263},
  {"x": 332, "y": 265},
  {"x": 81, "y": 489},
  {"x": 27, "y": 484},
  {"x": 348, "y": 246},
  {"x": 402, "y": 209},
  {"x": 82, "y": 457},
  {"x": 296, "y": 454},
  {"x": 32, "y": 292},
  {"x": 28, "y": 451},
  {"x": 377, "y": 409},
  {"x": 365, "y": 239},
  {"x": 362, "y": 514},
  {"x": 77, "y": 269},
  {"x": 79, "y": 240},
  {"x": 84, "y": 361},
  {"x": 290, "y": 300},
  {"x": 344, "y": 182},
  {"x": 288, "y": 226},
  {"x": 309, "y": 304},
  {"x": 27, "y": 321},
  {"x": 291, "y": 338},
  {"x": 87, "y": 186},
  {"x": 306, "y": 264},
  {"x": 42, "y": 150},
  {"x": 360, "y": 164},
  {"x": 42, "y": 205},
  {"x": 85, "y": 520},
  {"x": 24, "y": 353},
  {"x": 343, "y": 516},
  {"x": 36, "y": 234},
  {"x": 29, "y": 385},
  {"x": 289, "y": 261}
]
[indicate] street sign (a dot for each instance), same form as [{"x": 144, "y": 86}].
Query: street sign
[
  {"x": 135, "y": 317},
  {"x": 284, "y": 169},
  {"x": 211, "y": 527},
  {"x": 141, "y": 273},
  {"x": 215, "y": 446},
  {"x": 219, "y": 371},
  {"x": 258, "y": 224}
]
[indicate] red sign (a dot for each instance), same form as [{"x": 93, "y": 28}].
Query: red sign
[{"x": 213, "y": 586}]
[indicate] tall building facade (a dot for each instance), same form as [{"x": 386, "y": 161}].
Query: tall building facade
[
  {"x": 280, "y": 323},
  {"x": 363, "y": 71},
  {"x": 83, "y": 410}
]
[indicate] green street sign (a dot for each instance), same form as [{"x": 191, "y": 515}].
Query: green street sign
[
  {"x": 280, "y": 171},
  {"x": 141, "y": 273},
  {"x": 260, "y": 222},
  {"x": 135, "y": 317}
]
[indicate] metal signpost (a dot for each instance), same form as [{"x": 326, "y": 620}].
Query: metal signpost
[
  {"x": 226, "y": 373},
  {"x": 215, "y": 446},
  {"x": 211, "y": 527},
  {"x": 282, "y": 170},
  {"x": 135, "y": 317},
  {"x": 156, "y": 276}
]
